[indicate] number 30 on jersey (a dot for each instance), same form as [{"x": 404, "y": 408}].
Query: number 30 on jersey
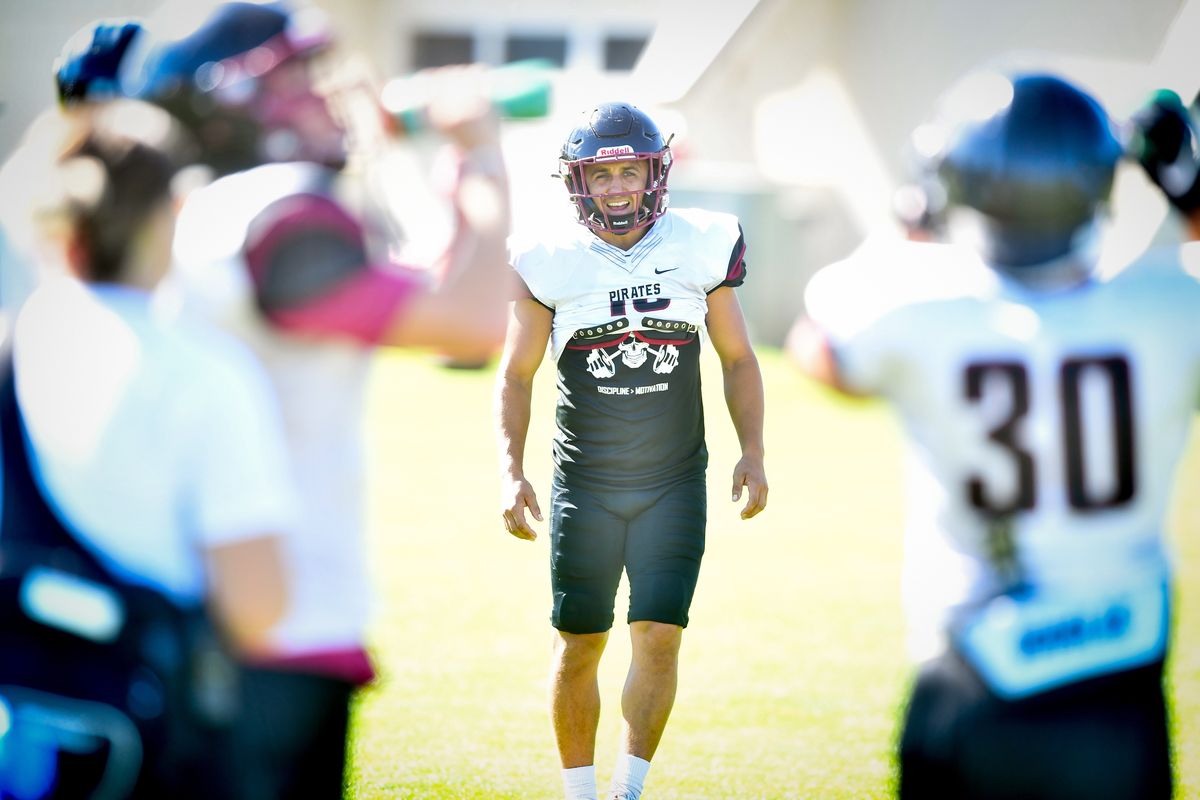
[{"x": 1110, "y": 373}]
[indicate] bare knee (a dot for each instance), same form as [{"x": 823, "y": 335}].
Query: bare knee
[
  {"x": 656, "y": 642},
  {"x": 576, "y": 653}
]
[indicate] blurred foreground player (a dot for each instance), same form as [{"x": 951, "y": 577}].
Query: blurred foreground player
[
  {"x": 145, "y": 494},
  {"x": 273, "y": 252},
  {"x": 1046, "y": 411}
]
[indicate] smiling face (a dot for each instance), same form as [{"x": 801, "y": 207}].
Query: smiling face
[
  {"x": 620, "y": 181},
  {"x": 620, "y": 184}
]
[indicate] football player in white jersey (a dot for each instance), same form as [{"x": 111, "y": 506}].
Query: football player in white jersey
[
  {"x": 276, "y": 252},
  {"x": 625, "y": 301},
  {"x": 1045, "y": 410}
]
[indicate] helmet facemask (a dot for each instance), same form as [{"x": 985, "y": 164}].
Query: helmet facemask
[
  {"x": 297, "y": 117},
  {"x": 589, "y": 209},
  {"x": 614, "y": 133},
  {"x": 246, "y": 84}
]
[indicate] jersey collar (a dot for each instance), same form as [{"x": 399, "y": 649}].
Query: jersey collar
[{"x": 630, "y": 259}]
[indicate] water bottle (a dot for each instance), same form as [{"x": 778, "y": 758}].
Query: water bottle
[{"x": 518, "y": 90}]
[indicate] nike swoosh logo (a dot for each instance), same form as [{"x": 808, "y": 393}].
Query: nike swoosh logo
[{"x": 661, "y": 271}]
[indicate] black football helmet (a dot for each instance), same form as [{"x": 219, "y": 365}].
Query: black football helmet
[
  {"x": 217, "y": 80},
  {"x": 616, "y": 132},
  {"x": 1035, "y": 158}
]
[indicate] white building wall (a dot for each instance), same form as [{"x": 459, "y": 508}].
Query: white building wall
[
  {"x": 815, "y": 101},
  {"x": 795, "y": 116}
]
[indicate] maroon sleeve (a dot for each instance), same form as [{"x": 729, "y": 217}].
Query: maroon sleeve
[
  {"x": 308, "y": 263},
  {"x": 735, "y": 273}
]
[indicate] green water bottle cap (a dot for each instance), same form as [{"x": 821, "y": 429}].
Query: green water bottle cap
[
  {"x": 521, "y": 89},
  {"x": 518, "y": 90}
]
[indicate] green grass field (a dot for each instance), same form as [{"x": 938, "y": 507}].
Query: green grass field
[{"x": 793, "y": 671}]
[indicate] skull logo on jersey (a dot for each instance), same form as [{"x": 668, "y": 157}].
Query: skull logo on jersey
[{"x": 633, "y": 353}]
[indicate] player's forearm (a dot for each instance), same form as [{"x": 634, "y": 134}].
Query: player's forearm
[
  {"x": 513, "y": 400},
  {"x": 482, "y": 208},
  {"x": 809, "y": 349},
  {"x": 745, "y": 399},
  {"x": 248, "y": 590},
  {"x": 477, "y": 280}
]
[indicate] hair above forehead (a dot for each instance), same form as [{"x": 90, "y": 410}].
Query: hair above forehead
[
  {"x": 113, "y": 166},
  {"x": 137, "y": 146},
  {"x": 127, "y": 124}
]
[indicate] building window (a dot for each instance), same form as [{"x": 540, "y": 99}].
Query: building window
[
  {"x": 552, "y": 48},
  {"x": 621, "y": 53},
  {"x": 440, "y": 49}
]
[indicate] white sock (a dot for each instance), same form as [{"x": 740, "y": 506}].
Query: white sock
[
  {"x": 580, "y": 783},
  {"x": 630, "y": 775}
]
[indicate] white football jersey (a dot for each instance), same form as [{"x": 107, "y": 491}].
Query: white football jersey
[
  {"x": 626, "y": 336},
  {"x": 321, "y": 386},
  {"x": 1048, "y": 421},
  {"x": 156, "y": 439}
]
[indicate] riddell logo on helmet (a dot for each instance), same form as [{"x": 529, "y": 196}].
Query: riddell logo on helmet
[{"x": 621, "y": 150}]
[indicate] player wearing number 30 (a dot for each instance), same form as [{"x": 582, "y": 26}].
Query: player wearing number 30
[
  {"x": 1046, "y": 409},
  {"x": 625, "y": 302}
]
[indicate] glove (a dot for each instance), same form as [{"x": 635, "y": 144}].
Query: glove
[{"x": 1165, "y": 143}]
